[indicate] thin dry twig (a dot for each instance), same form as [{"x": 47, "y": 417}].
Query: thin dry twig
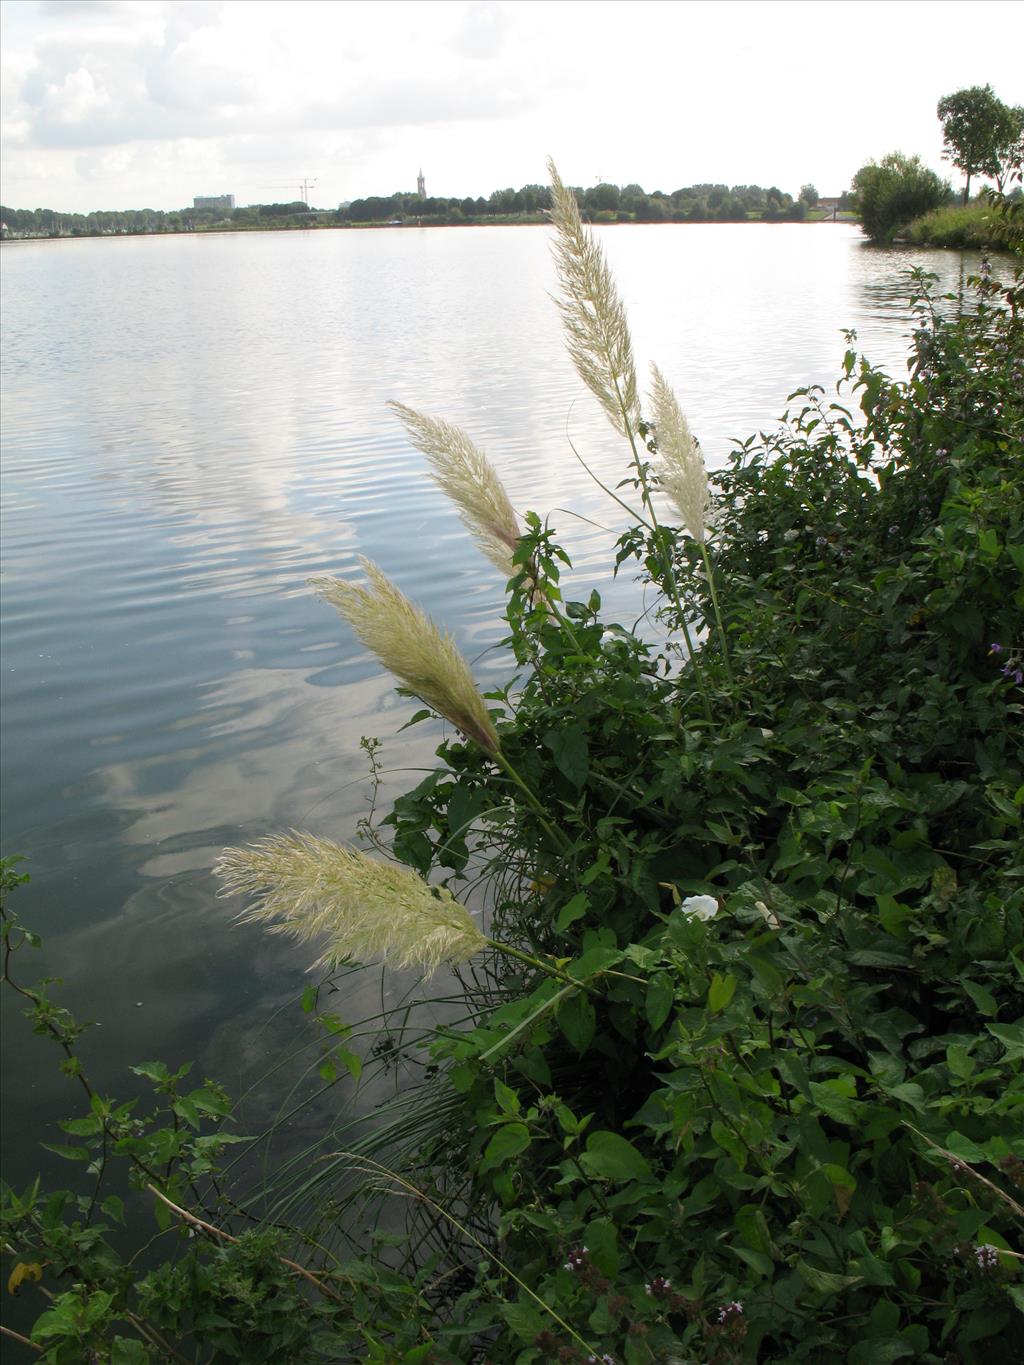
[{"x": 212, "y": 1231}]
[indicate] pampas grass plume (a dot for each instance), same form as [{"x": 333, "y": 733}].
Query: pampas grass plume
[
  {"x": 592, "y": 312},
  {"x": 464, "y": 472},
  {"x": 682, "y": 474},
  {"x": 313, "y": 889},
  {"x": 411, "y": 647}
]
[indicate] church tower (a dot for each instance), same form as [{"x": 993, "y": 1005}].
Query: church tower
[{"x": 421, "y": 185}]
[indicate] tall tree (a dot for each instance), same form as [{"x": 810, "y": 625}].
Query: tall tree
[
  {"x": 1011, "y": 151},
  {"x": 977, "y": 129}
]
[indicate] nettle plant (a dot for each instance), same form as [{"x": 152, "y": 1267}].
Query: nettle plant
[{"x": 738, "y": 1074}]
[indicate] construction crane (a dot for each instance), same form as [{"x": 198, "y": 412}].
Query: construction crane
[{"x": 304, "y": 185}]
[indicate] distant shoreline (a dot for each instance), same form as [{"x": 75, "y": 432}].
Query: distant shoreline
[{"x": 517, "y": 220}]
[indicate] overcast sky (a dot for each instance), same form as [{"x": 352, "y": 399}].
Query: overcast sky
[{"x": 146, "y": 103}]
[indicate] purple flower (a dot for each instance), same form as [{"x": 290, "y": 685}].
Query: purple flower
[
  {"x": 987, "y": 1257},
  {"x": 730, "y": 1310},
  {"x": 995, "y": 647}
]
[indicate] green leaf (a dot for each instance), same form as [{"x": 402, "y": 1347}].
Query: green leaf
[
  {"x": 833, "y": 1099},
  {"x": 569, "y": 748},
  {"x": 880, "y": 1351},
  {"x": 720, "y": 992},
  {"x": 1010, "y": 1035},
  {"x": 153, "y": 1071},
  {"x": 601, "y": 1242},
  {"x": 752, "y": 1227},
  {"x": 614, "y": 1158},
  {"x": 525, "y": 1320},
  {"x": 415, "y": 720},
  {"x": 658, "y": 1003},
  {"x": 83, "y": 1127},
  {"x": 824, "y": 1281},
  {"x": 68, "y": 1153},
  {"x": 984, "y": 1000},
  {"x": 964, "y": 1147},
  {"x": 572, "y": 911},
  {"x": 508, "y": 1100},
  {"x": 507, "y": 1142},
  {"x": 577, "y": 1020},
  {"x": 757, "y": 1260},
  {"x": 958, "y": 1059},
  {"x": 126, "y": 1351}
]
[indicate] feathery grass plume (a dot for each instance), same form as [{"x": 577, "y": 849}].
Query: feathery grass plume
[
  {"x": 592, "y": 312},
  {"x": 464, "y": 472},
  {"x": 411, "y": 647},
  {"x": 311, "y": 888},
  {"x": 682, "y": 472}
]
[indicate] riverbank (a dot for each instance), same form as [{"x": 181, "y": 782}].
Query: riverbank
[
  {"x": 497, "y": 220},
  {"x": 976, "y": 226},
  {"x": 737, "y": 1063}
]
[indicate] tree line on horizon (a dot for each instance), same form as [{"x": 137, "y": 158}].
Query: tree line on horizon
[{"x": 603, "y": 203}]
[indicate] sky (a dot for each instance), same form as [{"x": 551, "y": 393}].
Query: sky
[{"x": 147, "y": 103}]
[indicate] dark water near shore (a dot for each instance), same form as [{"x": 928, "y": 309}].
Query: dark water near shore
[{"x": 192, "y": 427}]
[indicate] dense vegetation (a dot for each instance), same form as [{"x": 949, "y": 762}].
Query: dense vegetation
[
  {"x": 601, "y": 203},
  {"x": 979, "y": 224},
  {"x": 891, "y": 193},
  {"x": 738, "y": 1073},
  {"x": 898, "y": 196}
]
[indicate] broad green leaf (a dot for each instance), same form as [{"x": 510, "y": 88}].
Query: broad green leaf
[
  {"x": 825, "y": 1281},
  {"x": 985, "y": 1001},
  {"x": 572, "y": 911},
  {"x": 658, "y": 1002},
  {"x": 569, "y": 749},
  {"x": 958, "y": 1059},
  {"x": 880, "y": 1351},
  {"x": 615, "y": 1158},
  {"x": 127, "y": 1351},
  {"x": 601, "y": 1242},
  {"x": 720, "y": 992},
  {"x": 757, "y": 1260},
  {"x": 525, "y": 1319},
  {"x": 1010, "y": 1035},
  {"x": 752, "y": 1227},
  {"x": 508, "y": 1100},
  {"x": 577, "y": 1020},
  {"x": 507, "y": 1142},
  {"x": 351, "y": 1061},
  {"x": 833, "y": 1098}
]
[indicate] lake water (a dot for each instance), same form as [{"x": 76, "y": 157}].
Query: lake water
[{"x": 192, "y": 427}]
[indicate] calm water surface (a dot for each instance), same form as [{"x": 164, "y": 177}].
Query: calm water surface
[{"x": 192, "y": 427}]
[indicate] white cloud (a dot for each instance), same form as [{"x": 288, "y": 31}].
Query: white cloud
[{"x": 359, "y": 94}]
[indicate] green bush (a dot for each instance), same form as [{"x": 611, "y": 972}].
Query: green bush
[
  {"x": 738, "y": 1078},
  {"x": 890, "y": 193},
  {"x": 979, "y": 224}
]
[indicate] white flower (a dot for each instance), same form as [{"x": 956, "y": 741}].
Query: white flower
[
  {"x": 682, "y": 473},
  {"x": 769, "y": 916},
  {"x": 700, "y": 907},
  {"x": 313, "y": 888}
]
